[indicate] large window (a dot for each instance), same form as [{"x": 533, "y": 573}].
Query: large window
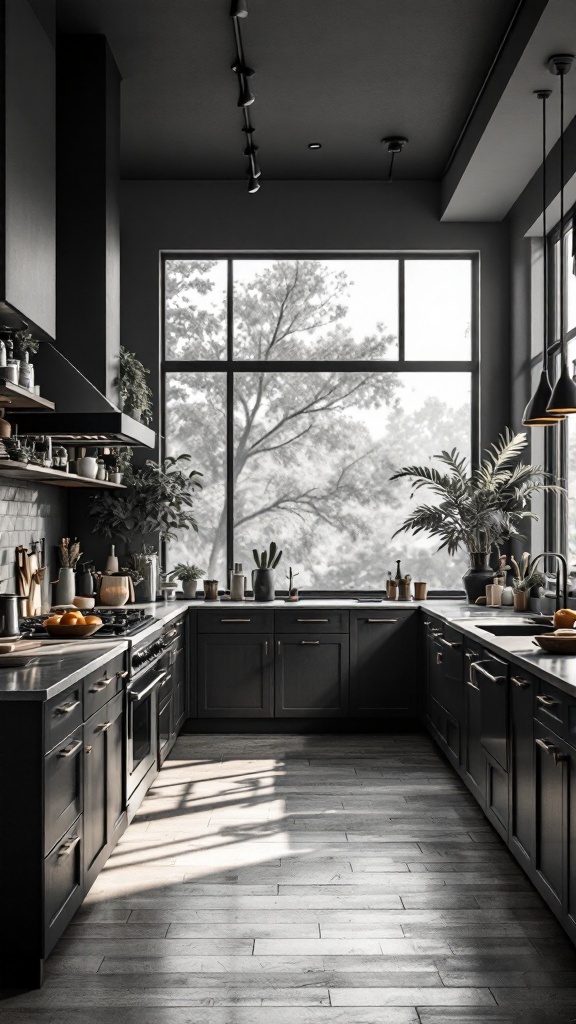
[{"x": 299, "y": 386}]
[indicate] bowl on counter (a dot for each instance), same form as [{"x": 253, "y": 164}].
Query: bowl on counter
[
  {"x": 73, "y": 632},
  {"x": 557, "y": 643}
]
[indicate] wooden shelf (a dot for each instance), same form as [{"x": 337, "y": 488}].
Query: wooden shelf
[
  {"x": 12, "y": 396},
  {"x": 54, "y": 477}
]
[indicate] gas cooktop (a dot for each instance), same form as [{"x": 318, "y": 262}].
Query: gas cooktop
[{"x": 119, "y": 623}]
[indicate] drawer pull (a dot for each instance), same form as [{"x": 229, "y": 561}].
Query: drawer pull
[
  {"x": 312, "y": 620},
  {"x": 546, "y": 701},
  {"x": 67, "y": 709},
  {"x": 381, "y": 620},
  {"x": 520, "y": 683},
  {"x": 448, "y": 643},
  {"x": 103, "y": 727},
  {"x": 470, "y": 655},
  {"x": 472, "y": 685},
  {"x": 235, "y": 620},
  {"x": 122, "y": 675},
  {"x": 68, "y": 846},
  {"x": 552, "y": 750},
  {"x": 477, "y": 667},
  {"x": 138, "y": 695},
  {"x": 265, "y": 648},
  {"x": 438, "y": 657},
  {"x": 71, "y": 749},
  {"x": 101, "y": 684},
  {"x": 314, "y": 642}
]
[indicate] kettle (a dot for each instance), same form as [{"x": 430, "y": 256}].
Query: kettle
[{"x": 9, "y": 615}]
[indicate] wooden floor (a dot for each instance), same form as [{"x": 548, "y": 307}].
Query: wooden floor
[{"x": 308, "y": 880}]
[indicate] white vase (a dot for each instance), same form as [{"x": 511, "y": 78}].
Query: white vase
[
  {"x": 87, "y": 467},
  {"x": 65, "y": 586}
]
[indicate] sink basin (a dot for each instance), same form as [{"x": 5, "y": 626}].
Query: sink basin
[{"x": 516, "y": 629}]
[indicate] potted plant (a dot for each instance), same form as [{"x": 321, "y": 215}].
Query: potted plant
[
  {"x": 479, "y": 508},
  {"x": 524, "y": 579},
  {"x": 188, "y": 576},
  {"x": 117, "y": 463},
  {"x": 135, "y": 394},
  {"x": 25, "y": 346},
  {"x": 158, "y": 501},
  {"x": 263, "y": 574}
]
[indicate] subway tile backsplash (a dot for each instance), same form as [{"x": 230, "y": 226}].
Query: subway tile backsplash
[{"x": 29, "y": 512}]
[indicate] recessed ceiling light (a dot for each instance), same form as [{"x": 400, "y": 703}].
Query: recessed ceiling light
[{"x": 314, "y": 145}]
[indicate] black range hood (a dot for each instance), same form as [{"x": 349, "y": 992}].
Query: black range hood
[{"x": 83, "y": 414}]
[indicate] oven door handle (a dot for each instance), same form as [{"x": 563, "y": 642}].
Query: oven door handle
[{"x": 137, "y": 695}]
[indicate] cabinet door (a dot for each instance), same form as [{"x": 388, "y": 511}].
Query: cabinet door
[
  {"x": 62, "y": 788},
  {"x": 180, "y": 684},
  {"x": 104, "y": 800},
  {"x": 235, "y": 675},
  {"x": 491, "y": 675},
  {"x": 550, "y": 815},
  {"x": 311, "y": 676},
  {"x": 570, "y": 896},
  {"x": 522, "y": 765},
  {"x": 474, "y": 758},
  {"x": 383, "y": 663}
]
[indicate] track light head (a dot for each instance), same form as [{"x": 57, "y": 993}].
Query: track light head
[
  {"x": 246, "y": 96},
  {"x": 253, "y": 165},
  {"x": 253, "y": 184},
  {"x": 238, "y": 9}
]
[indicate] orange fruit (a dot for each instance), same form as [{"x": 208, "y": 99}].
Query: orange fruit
[
  {"x": 92, "y": 620},
  {"x": 71, "y": 619},
  {"x": 565, "y": 618},
  {"x": 54, "y": 620}
]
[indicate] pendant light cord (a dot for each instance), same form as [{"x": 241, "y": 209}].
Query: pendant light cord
[
  {"x": 544, "y": 234},
  {"x": 562, "y": 346}
]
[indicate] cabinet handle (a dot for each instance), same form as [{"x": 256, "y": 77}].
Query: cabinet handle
[
  {"x": 552, "y": 750},
  {"x": 477, "y": 667},
  {"x": 88, "y": 748},
  {"x": 66, "y": 709},
  {"x": 68, "y": 846},
  {"x": 470, "y": 655},
  {"x": 72, "y": 749},
  {"x": 135, "y": 695},
  {"x": 520, "y": 683},
  {"x": 448, "y": 643},
  {"x": 170, "y": 634},
  {"x": 101, "y": 684},
  {"x": 312, "y": 620},
  {"x": 381, "y": 620},
  {"x": 235, "y": 620},
  {"x": 546, "y": 701},
  {"x": 122, "y": 675},
  {"x": 472, "y": 685},
  {"x": 265, "y": 648},
  {"x": 435, "y": 632},
  {"x": 104, "y": 727},
  {"x": 438, "y": 657},
  {"x": 309, "y": 642}
]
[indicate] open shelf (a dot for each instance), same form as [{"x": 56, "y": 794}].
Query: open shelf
[
  {"x": 55, "y": 477},
  {"x": 12, "y": 396}
]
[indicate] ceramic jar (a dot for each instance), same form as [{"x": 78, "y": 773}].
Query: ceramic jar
[
  {"x": 64, "y": 587},
  {"x": 114, "y": 591},
  {"x": 87, "y": 467}
]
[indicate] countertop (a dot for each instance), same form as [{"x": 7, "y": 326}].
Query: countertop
[{"x": 57, "y": 667}]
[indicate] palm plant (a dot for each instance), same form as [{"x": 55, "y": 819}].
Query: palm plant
[{"x": 479, "y": 508}]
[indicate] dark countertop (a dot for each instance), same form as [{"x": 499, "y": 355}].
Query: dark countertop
[{"x": 57, "y": 668}]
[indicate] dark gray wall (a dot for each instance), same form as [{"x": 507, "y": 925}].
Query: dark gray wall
[
  {"x": 29, "y": 512},
  {"x": 30, "y": 217},
  {"x": 307, "y": 216}
]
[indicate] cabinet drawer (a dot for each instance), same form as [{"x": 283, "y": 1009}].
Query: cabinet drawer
[
  {"x": 62, "y": 787},
  {"x": 174, "y": 632},
  {"x": 166, "y": 687},
  {"x": 235, "y": 621},
  {"x": 62, "y": 884},
  {"x": 312, "y": 621},
  {"x": 62, "y": 715},
  {"x": 550, "y": 706},
  {"x": 491, "y": 676},
  {"x": 103, "y": 684}
]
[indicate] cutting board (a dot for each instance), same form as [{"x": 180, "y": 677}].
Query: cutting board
[{"x": 18, "y": 645}]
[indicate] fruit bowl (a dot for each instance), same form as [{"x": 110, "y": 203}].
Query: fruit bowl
[
  {"x": 73, "y": 632},
  {"x": 554, "y": 644}
]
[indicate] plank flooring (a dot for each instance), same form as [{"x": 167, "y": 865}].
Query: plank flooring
[{"x": 308, "y": 880}]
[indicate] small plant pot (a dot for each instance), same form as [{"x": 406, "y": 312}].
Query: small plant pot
[
  {"x": 189, "y": 588},
  {"x": 521, "y": 600},
  {"x": 115, "y": 478},
  {"x": 263, "y": 584}
]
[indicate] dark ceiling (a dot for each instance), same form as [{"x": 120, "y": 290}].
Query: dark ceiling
[{"x": 341, "y": 72}]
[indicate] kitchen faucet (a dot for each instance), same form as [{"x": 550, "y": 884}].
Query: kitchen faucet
[{"x": 559, "y": 558}]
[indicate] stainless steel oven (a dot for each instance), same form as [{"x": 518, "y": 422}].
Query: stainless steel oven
[{"x": 147, "y": 676}]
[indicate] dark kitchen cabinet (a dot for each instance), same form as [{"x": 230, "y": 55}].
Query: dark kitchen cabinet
[
  {"x": 235, "y": 675},
  {"x": 550, "y": 815},
  {"x": 521, "y": 820},
  {"x": 474, "y": 761},
  {"x": 104, "y": 785},
  {"x": 62, "y": 788},
  {"x": 180, "y": 684},
  {"x": 312, "y": 675},
  {"x": 491, "y": 675},
  {"x": 383, "y": 663}
]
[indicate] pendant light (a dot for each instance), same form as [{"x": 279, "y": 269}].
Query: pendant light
[
  {"x": 536, "y": 412},
  {"x": 563, "y": 399}
]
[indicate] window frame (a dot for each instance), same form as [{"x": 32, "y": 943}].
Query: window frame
[{"x": 230, "y": 366}]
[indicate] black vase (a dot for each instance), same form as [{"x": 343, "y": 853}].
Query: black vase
[
  {"x": 478, "y": 576},
  {"x": 263, "y": 585}
]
